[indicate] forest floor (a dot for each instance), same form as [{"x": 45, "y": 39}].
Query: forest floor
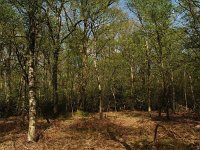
[{"x": 117, "y": 131}]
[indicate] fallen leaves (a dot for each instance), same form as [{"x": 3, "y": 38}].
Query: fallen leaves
[{"x": 120, "y": 130}]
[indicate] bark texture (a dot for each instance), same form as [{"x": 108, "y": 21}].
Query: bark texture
[{"x": 31, "y": 71}]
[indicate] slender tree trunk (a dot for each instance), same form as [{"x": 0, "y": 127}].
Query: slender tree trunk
[
  {"x": 99, "y": 88},
  {"x": 7, "y": 92},
  {"x": 163, "y": 93},
  {"x": 7, "y": 75},
  {"x": 83, "y": 83},
  {"x": 148, "y": 77},
  {"x": 23, "y": 98},
  {"x": 45, "y": 87},
  {"x": 192, "y": 92},
  {"x": 167, "y": 97},
  {"x": 71, "y": 104},
  {"x": 132, "y": 84},
  {"x": 71, "y": 97},
  {"x": 185, "y": 91},
  {"x": 161, "y": 64},
  {"x": 55, "y": 81},
  {"x": 173, "y": 92},
  {"x": 113, "y": 93},
  {"x": 24, "y": 101},
  {"x": 98, "y": 81},
  {"x": 149, "y": 97},
  {"x": 19, "y": 104}
]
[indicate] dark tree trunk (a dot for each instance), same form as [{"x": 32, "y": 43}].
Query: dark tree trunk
[
  {"x": 82, "y": 86},
  {"x": 8, "y": 81},
  {"x": 192, "y": 92},
  {"x": 173, "y": 93},
  {"x": 83, "y": 83},
  {"x": 185, "y": 91},
  {"x": 55, "y": 81}
]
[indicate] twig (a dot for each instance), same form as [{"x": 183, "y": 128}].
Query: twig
[{"x": 169, "y": 132}]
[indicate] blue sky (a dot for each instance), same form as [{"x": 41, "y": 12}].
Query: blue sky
[{"x": 124, "y": 7}]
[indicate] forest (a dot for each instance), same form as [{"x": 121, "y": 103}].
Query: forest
[{"x": 100, "y": 74}]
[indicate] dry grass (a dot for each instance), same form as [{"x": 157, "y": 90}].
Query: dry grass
[{"x": 118, "y": 131}]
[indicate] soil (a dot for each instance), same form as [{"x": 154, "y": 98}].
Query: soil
[{"x": 127, "y": 130}]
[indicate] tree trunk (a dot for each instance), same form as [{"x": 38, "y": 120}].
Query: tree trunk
[
  {"x": 32, "y": 100},
  {"x": 113, "y": 93},
  {"x": 173, "y": 92},
  {"x": 31, "y": 72},
  {"x": 132, "y": 85},
  {"x": 55, "y": 81},
  {"x": 185, "y": 91},
  {"x": 23, "y": 98},
  {"x": 99, "y": 88},
  {"x": 83, "y": 83},
  {"x": 148, "y": 77},
  {"x": 192, "y": 92},
  {"x": 7, "y": 75},
  {"x": 163, "y": 90},
  {"x": 168, "y": 103},
  {"x": 161, "y": 65},
  {"x": 82, "y": 86},
  {"x": 71, "y": 96}
]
